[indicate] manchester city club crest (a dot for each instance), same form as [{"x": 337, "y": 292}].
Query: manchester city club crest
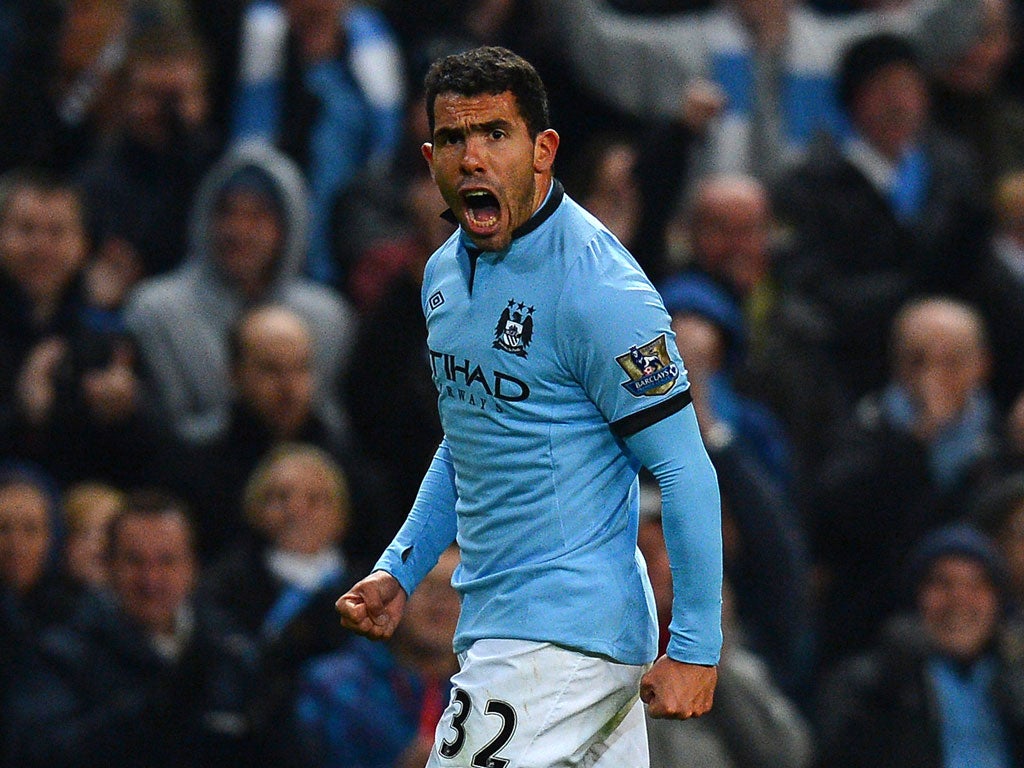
[
  {"x": 649, "y": 367},
  {"x": 514, "y": 329}
]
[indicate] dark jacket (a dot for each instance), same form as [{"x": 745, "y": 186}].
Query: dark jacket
[
  {"x": 97, "y": 695},
  {"x": 874, "y": 497},
  {"x": 856, "y": 261},
  {"x": 879, "y": 709},
  {"x": 143, "y": 195},
  {"x": 19, "y": 334},
  {"x": 395, "y": 417},
  {"x": 242, "y": 585}
]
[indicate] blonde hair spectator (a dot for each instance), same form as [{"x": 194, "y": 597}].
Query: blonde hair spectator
[
  {"x": 88, "y": 508},
  {"x": 298, "y": 496}
]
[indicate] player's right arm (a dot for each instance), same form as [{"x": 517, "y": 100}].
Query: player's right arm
[{"x": 374, "y": 606}]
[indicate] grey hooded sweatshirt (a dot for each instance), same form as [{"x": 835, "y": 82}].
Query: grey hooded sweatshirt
[{"x": 181, "y": 320}]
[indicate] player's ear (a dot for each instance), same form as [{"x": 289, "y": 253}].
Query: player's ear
[
  {"x": 544, "y": 148},
  {"x": 428, "y": 154}
]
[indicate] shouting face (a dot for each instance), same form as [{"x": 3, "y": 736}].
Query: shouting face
[{"x": 491, "y": 172}]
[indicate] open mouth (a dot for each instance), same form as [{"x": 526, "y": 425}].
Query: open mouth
[{"x": 482, "y": 209}]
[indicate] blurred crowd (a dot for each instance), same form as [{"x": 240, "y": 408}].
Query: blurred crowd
[{"x": 213, "y": 222}]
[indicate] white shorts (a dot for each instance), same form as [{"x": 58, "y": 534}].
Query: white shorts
[{"x": 521, "y": 704}]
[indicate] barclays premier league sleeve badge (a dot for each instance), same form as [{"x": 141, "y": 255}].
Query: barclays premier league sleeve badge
[{"x": 650, "y": 370}]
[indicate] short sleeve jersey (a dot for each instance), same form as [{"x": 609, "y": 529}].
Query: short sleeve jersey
[{"x": 546, "y": 355}]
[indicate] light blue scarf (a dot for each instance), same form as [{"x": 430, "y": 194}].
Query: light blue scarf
[
  {"x": 972, "y": 733},
  {"x": 958, "y": 444}
]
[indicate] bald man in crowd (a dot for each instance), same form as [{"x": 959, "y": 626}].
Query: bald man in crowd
[
  {"x": 272, "y": 374},
  {"x": 729, "y": 221},
  {"x": 912, "y": 458},
  {"x": 275, "y": 399}
]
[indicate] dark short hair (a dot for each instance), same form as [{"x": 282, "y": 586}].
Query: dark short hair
[
  {"x": 490, "y": 70},
  {"x": 41, "y": 181},
  {"x": 149, "y": 503},
  {"x": 866, "y": 56}
]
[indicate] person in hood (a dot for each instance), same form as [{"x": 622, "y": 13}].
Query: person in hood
[{"x": 248, "y": 243}]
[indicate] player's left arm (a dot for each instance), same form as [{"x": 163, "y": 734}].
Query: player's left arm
[
  {"x": 617, "y": 340},
  {"x": 681, "y": 684}
]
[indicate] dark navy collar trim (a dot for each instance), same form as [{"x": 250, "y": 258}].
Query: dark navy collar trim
[{"x": 542, "y": 214}]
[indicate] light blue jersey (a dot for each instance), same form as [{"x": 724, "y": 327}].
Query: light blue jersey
[{"x": 547, "y": 357}]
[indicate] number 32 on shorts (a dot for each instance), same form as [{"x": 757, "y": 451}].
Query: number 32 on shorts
[{"x": 486, "y": 756}]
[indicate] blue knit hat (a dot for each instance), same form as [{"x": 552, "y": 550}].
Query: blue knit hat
[
  {"x": 695, "y": 293},
  {"x": 961, "y": 540}
]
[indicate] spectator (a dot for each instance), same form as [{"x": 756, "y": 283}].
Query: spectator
[
  {"x": 945, "y": 685},
  {"x": 712, "y": 337},
  {"x": 629, "y": 179},
  {"x": 323, "y": 81},
  {"x": 767, "y": 559},
  {"x": 727, "y": 225},
  {"x": 460, "y": 25},
  {"x": 969, "y": 101},
  {"x": 36, "y": 592},
  {"x": 607, "y": 185},
  {"x": 141, "y": 183},
  {"x": 762, "y": 529},
  {"x": 753, "y": 723},
  {"x": 69, "y": 397},
  {"x": 56, "y": 104},
  {"x": 279, "y": 584},
  {"x": 88, "y": 509},
  {"x": 98, "y": 426},
  {"x": 271, "y": 361},
  {"x": 33, "y": 595},
  {"x": 401, "y": 225},
  {"x": 248, "y": 242},
  {"x": 218, "y": 25},
  {"x": 142, "y": 675},
  {"x": 911, "y": 459},
  {"x": 727, "y": 233},
  {"x": 376, "y": 705},
  {"x": 895, "y": 210},
  {"x": 773, "y": 64},
  {"x": 43, "y": 250}
]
